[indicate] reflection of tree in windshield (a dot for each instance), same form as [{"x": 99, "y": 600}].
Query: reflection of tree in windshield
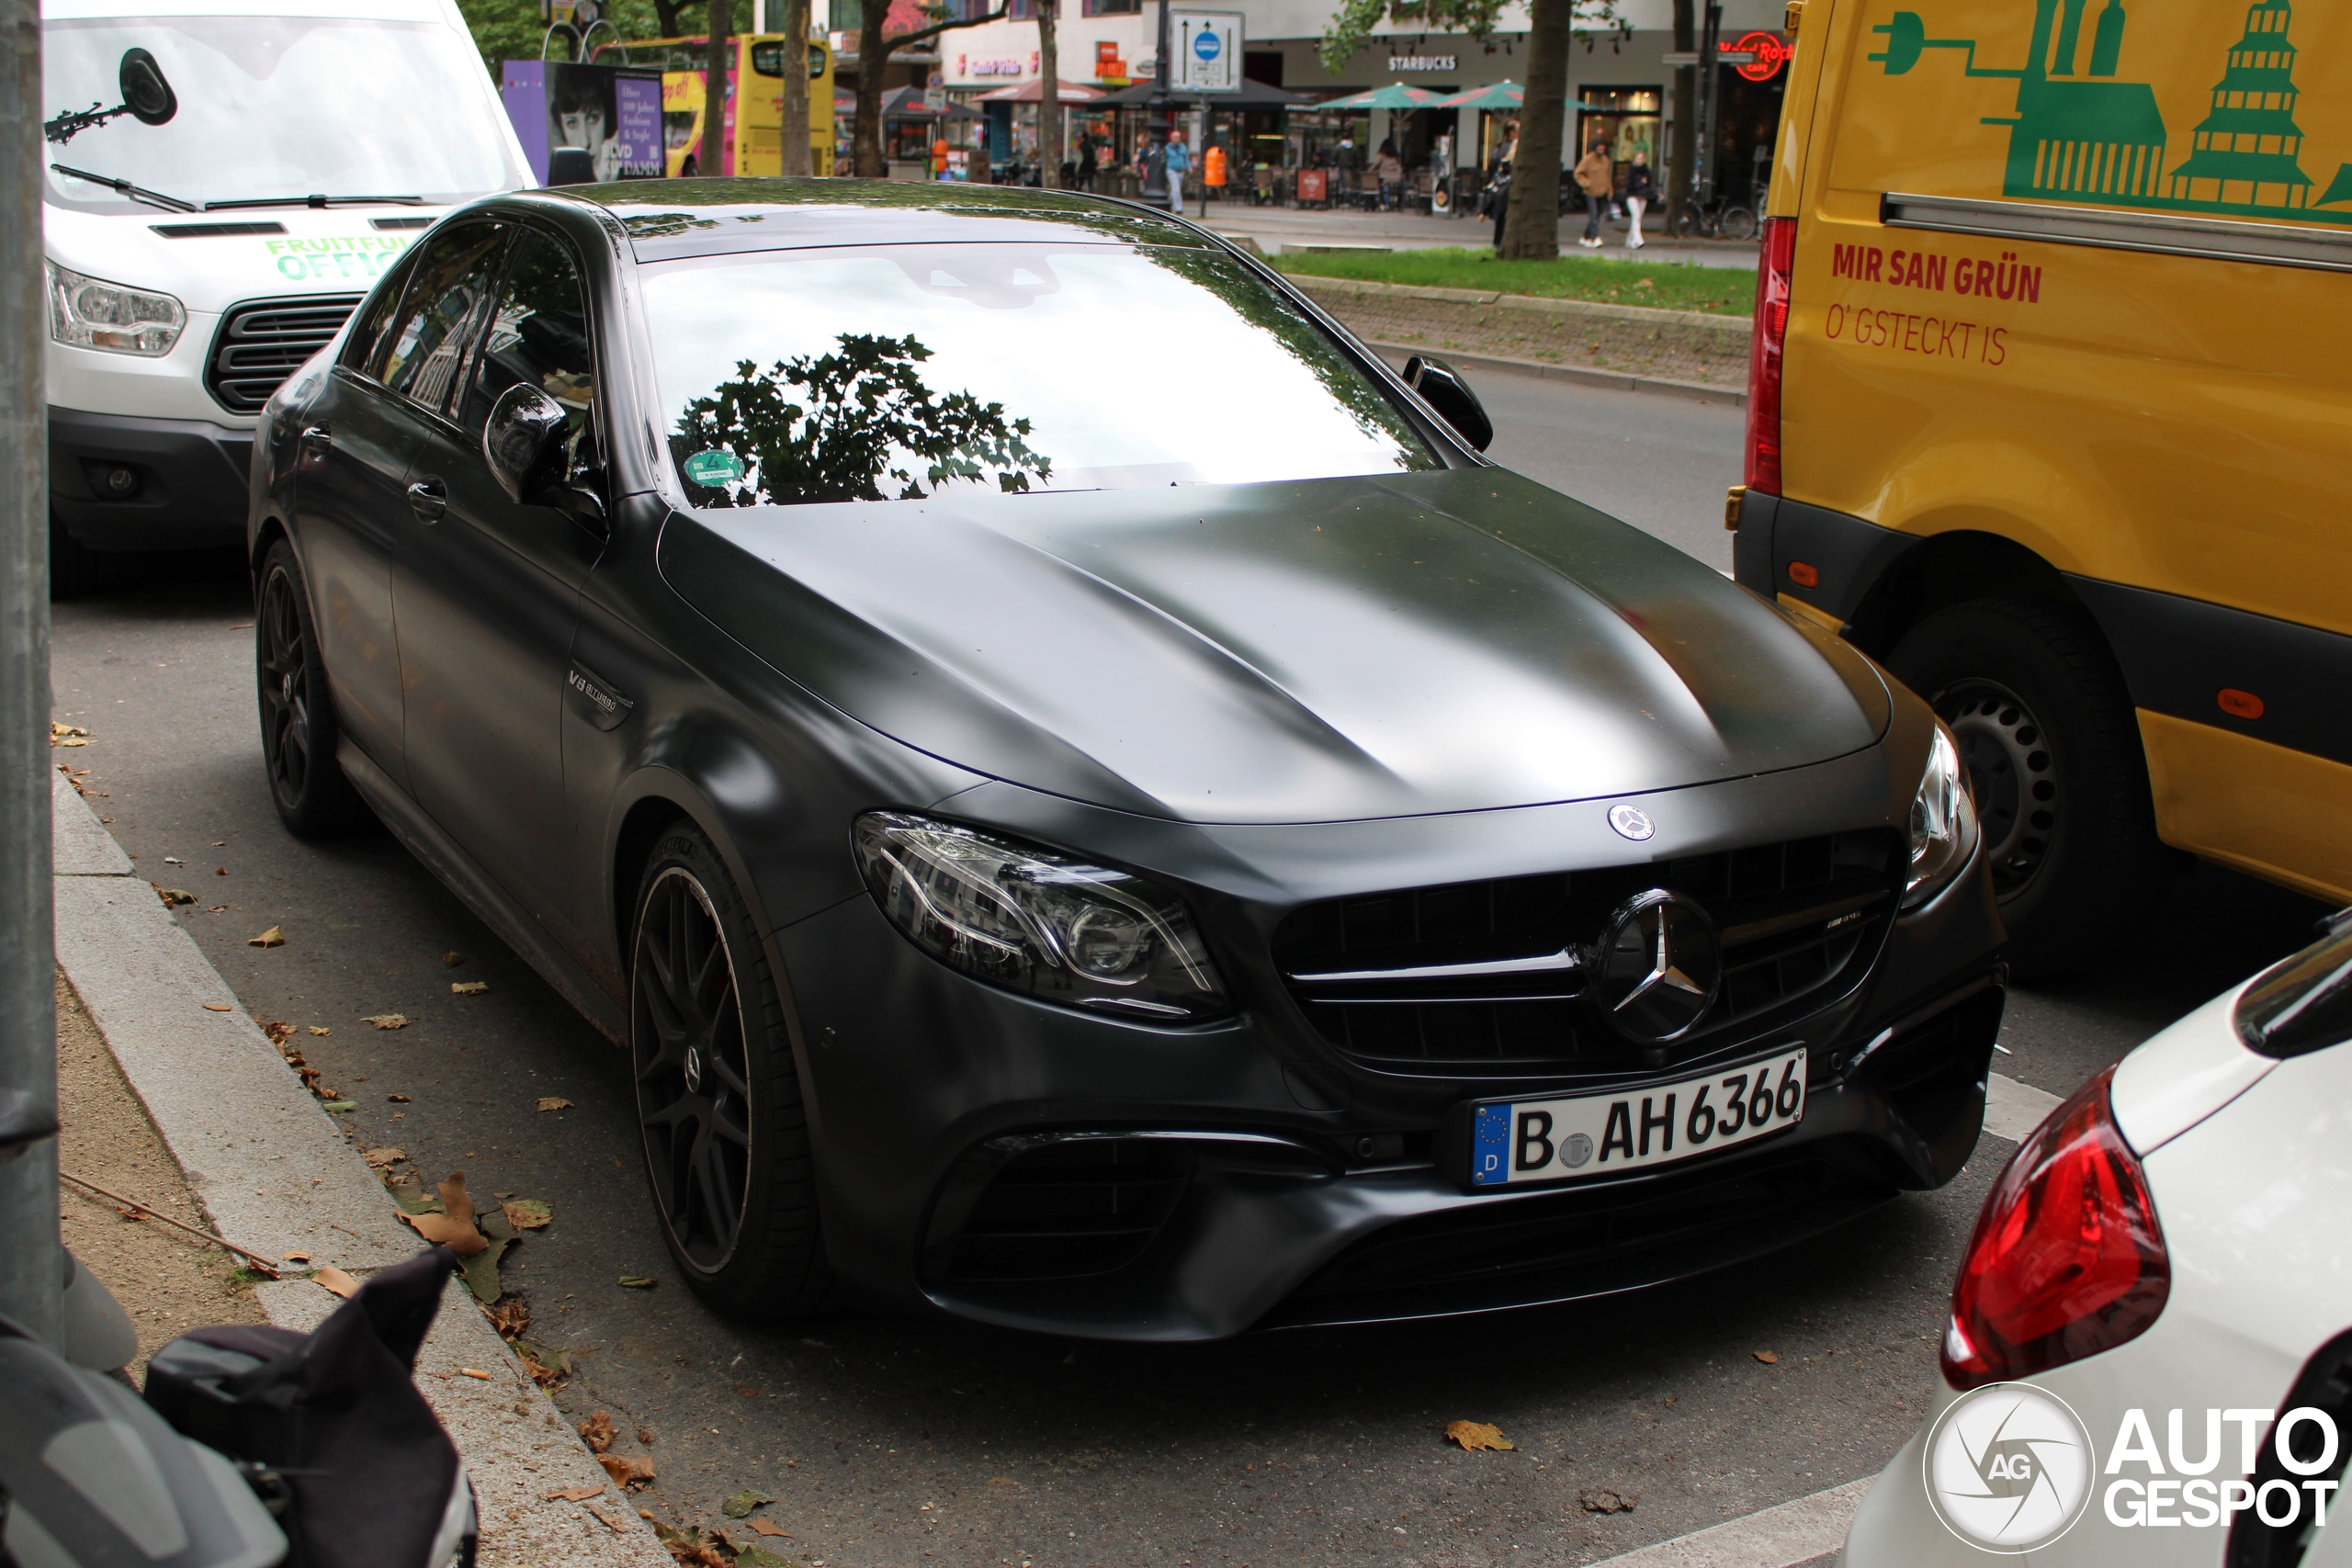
[{"x": 836, "y": 435}]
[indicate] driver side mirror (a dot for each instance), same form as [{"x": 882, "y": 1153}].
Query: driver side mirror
[
  {"x": 526, "y": 442},
  {"x": 1442, "y": 388}
]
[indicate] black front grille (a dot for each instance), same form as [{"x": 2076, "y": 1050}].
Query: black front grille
[
  {"x": 1067, "y": 1210},
  {"x": 1794, "y": 919},
  {"x": 262, "y": 341}
]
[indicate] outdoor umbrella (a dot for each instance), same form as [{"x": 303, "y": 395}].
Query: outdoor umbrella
[
  {"x": 1501, "y": 95},
  {"x": 1395, "y": 96}
]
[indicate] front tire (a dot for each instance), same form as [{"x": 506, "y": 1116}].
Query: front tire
[
  {"x": 299, "y": 731},
  {"x": 719, "y": 1103},
  {"x": 2048, "y": 733}
]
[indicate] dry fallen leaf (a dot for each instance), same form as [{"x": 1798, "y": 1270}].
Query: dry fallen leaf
[
  {"x": 576, "y": 1494},
  {"x": 1476, "y": 1435},
  {"x": 628, "y": 1469},
  {"x": 1607, "y": 1500},
  {"x": 598, "y": 1431},
  {"x": 769, "y": 1526},
  {"x": 319, "y": 1030},
  {"x": 335, "y": 1280},
  {"x": 297, "y": 1258},
  {"x": 379, "y": 1158},
  {"x": 453, "y": 959},
  {"x": 467, "y": 988},
  {"x": 637, "y": 1282},
  {"x": 400, "y": 1099},
  {"x": 279, "y": 1029},
  {"x": 740, "y": 1505},
  {"x": 528, "y": 1213},
  {"x": 554, "y": 1103},
  {"x": 216, "y": 1007},
  {"x": 455, "y": 1229},
  {"x": 62, "y": 730},
  {"x": 509, "y": 1317},
  {"x": 216, "y": 908},
  {"x": 273, "y": 937},
  {"x": 1768, "y": 1357},
  {"x": 645, "y": 1437},
  {"x": 386, "y": 1021},
  {"x": 171, "y": 897},
  {"x": 745, "y": 1391}
]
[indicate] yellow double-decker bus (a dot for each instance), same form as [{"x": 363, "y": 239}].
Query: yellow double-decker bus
[{"x": 753, "y": 138}]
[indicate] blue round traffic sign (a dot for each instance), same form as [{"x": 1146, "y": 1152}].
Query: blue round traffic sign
[{"x": 1206, "y": 44}]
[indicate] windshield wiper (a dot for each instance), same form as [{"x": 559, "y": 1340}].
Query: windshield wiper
[
  {"x": 316, "y": 201},
  {"x": 124, "y": 187}
]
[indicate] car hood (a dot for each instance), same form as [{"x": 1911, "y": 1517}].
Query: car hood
[{"x": 1323, "y": 650}]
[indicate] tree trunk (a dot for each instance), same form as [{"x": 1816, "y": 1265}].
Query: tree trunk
[
  {"x": 665, "y": 17},
  {"x": 1049, "y": 99},
  {"x": 1533, "y": 228},
  {"x": 796, "y": 87},
  {"x": 1681, "y": 156},
  {"x": 711, "y": 159},
  {"x": 872, "y": 64}
]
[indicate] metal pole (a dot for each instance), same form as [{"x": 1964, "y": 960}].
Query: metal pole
[{"x": 31, "y": 1269}]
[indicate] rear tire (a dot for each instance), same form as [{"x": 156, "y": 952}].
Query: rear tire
[
  {"x": 298, "y": 730},
  {"x": 2053, "y": 747},
  {"x": 725, "y": 1134}
]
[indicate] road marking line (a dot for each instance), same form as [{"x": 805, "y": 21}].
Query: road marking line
[
  {"x": 2012, "y": 1110},
  {"x": 1797, "y": 1534}
]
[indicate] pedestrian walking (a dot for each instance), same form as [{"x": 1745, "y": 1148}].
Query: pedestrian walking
[
  {"x": 1178, "y": 163},
  {"x": 1499, "y": 179},
  {"x": 1597, "y": 177},
  {"x": 1641, "y": 189}
]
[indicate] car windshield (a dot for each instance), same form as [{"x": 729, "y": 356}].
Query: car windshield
[
  {"x": 278, "y": 106},
  {"x": 889, "y": 372}
]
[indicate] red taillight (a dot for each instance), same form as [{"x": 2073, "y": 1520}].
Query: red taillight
[
  {"x": 1778, "y": 256},
  {"x": 2066, "y": 1260}
]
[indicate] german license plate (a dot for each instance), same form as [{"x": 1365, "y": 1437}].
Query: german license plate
[{"x": 1596, "y": 1135}]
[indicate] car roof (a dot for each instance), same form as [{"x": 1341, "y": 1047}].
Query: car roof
[{"x": 669, "y": 219}]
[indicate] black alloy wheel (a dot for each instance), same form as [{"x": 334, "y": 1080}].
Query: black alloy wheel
[
  {"x": 2051, "y": 744},
  {"x": 297, "y": 724},
  {"x": 718, "y": 1093}
]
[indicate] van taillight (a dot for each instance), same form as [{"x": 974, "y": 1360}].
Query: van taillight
[
  {"x": 1778, "y": 254},
  {"x": 2066, "y": 1260}
]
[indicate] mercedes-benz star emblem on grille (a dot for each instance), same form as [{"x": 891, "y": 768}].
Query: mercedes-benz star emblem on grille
[
  {"x": 1659, "y": 967},
  {"x": 1632, "y": 821}
]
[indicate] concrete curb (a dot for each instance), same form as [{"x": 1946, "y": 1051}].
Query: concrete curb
[
  {"x": 274, "y": 1173},
  {"x": 1730, "y": 326},
  {"x": 1616, "y": 380},
  {"x": 1804, "y": 1532}
]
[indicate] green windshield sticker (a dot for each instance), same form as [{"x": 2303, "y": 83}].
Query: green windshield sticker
[
  {"x": 714, "y": 469},
  {"x": 343, "y": 258}
]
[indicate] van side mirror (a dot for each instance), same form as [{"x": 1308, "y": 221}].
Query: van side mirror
[
  {"x": 571, "y": 166},
  {"x": 145, "y": 92},
  {"x": 1442, "y": 388},
  {"x": 524, "y": 442}
]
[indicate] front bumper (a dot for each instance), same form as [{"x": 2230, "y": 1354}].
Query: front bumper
[
  {"x": 1034, "y": 1166},
  {"x": 187, "y": 487}
]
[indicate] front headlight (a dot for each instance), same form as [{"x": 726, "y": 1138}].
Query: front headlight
[
  {"x": 91, "y": 314},
  {"x": 1943, "y": 821},
  {"x": 1037, "y": 922}
]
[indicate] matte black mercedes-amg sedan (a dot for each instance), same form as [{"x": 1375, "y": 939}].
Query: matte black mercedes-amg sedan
[{"x": 1085, "y": 798}]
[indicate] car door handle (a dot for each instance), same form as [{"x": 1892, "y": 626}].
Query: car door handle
[
  {"x": 428, "y": 500},
  {"x": 316, "y": 440}
]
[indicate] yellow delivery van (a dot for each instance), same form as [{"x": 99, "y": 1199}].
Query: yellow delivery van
[{"x": 2050, "y": 411}]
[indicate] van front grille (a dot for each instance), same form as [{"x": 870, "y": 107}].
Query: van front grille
[{"x": 262, "y": 341}]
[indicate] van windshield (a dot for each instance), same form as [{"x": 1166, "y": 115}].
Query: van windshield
[{"x": 276, "y": 106}]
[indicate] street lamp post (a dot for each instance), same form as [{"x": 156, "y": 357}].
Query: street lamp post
[{"x": 31, "y": 1269}]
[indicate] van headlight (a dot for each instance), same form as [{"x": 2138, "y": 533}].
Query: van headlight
[
  {"x": 1035, "y": 922},
  {"x": 91, "y": 314},
  {"x": 1943, "y": 821}
]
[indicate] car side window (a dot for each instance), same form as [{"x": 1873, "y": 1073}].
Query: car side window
[
  {"x": 426, "y": 342},
  {"x": 368, "y": 332},
  {"x": 539, "y": 335}
]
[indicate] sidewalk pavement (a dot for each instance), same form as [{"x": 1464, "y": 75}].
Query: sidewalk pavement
[
  {"x": 274, "y": 1173},
  {"x": 1277, "y": 229}
]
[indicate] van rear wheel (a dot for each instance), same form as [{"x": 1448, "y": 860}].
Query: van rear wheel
[{"x": 2046, "y": 729}]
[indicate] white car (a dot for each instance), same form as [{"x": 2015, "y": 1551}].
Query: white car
[
  {"x": 204, "y": 241},
  {"x": 2149, "y": 1359}
]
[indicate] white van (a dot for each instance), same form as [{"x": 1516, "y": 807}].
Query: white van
[{"x": 194, "y": 263}]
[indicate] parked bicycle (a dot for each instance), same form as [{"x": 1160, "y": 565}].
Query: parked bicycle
[{"x": 1718, "y": 219}]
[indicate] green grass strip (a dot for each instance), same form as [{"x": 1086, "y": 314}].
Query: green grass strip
[{"x": 1666, "y": 286}]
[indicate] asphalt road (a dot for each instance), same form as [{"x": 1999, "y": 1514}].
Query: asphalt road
[{"x": 889, "y": 1440}]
